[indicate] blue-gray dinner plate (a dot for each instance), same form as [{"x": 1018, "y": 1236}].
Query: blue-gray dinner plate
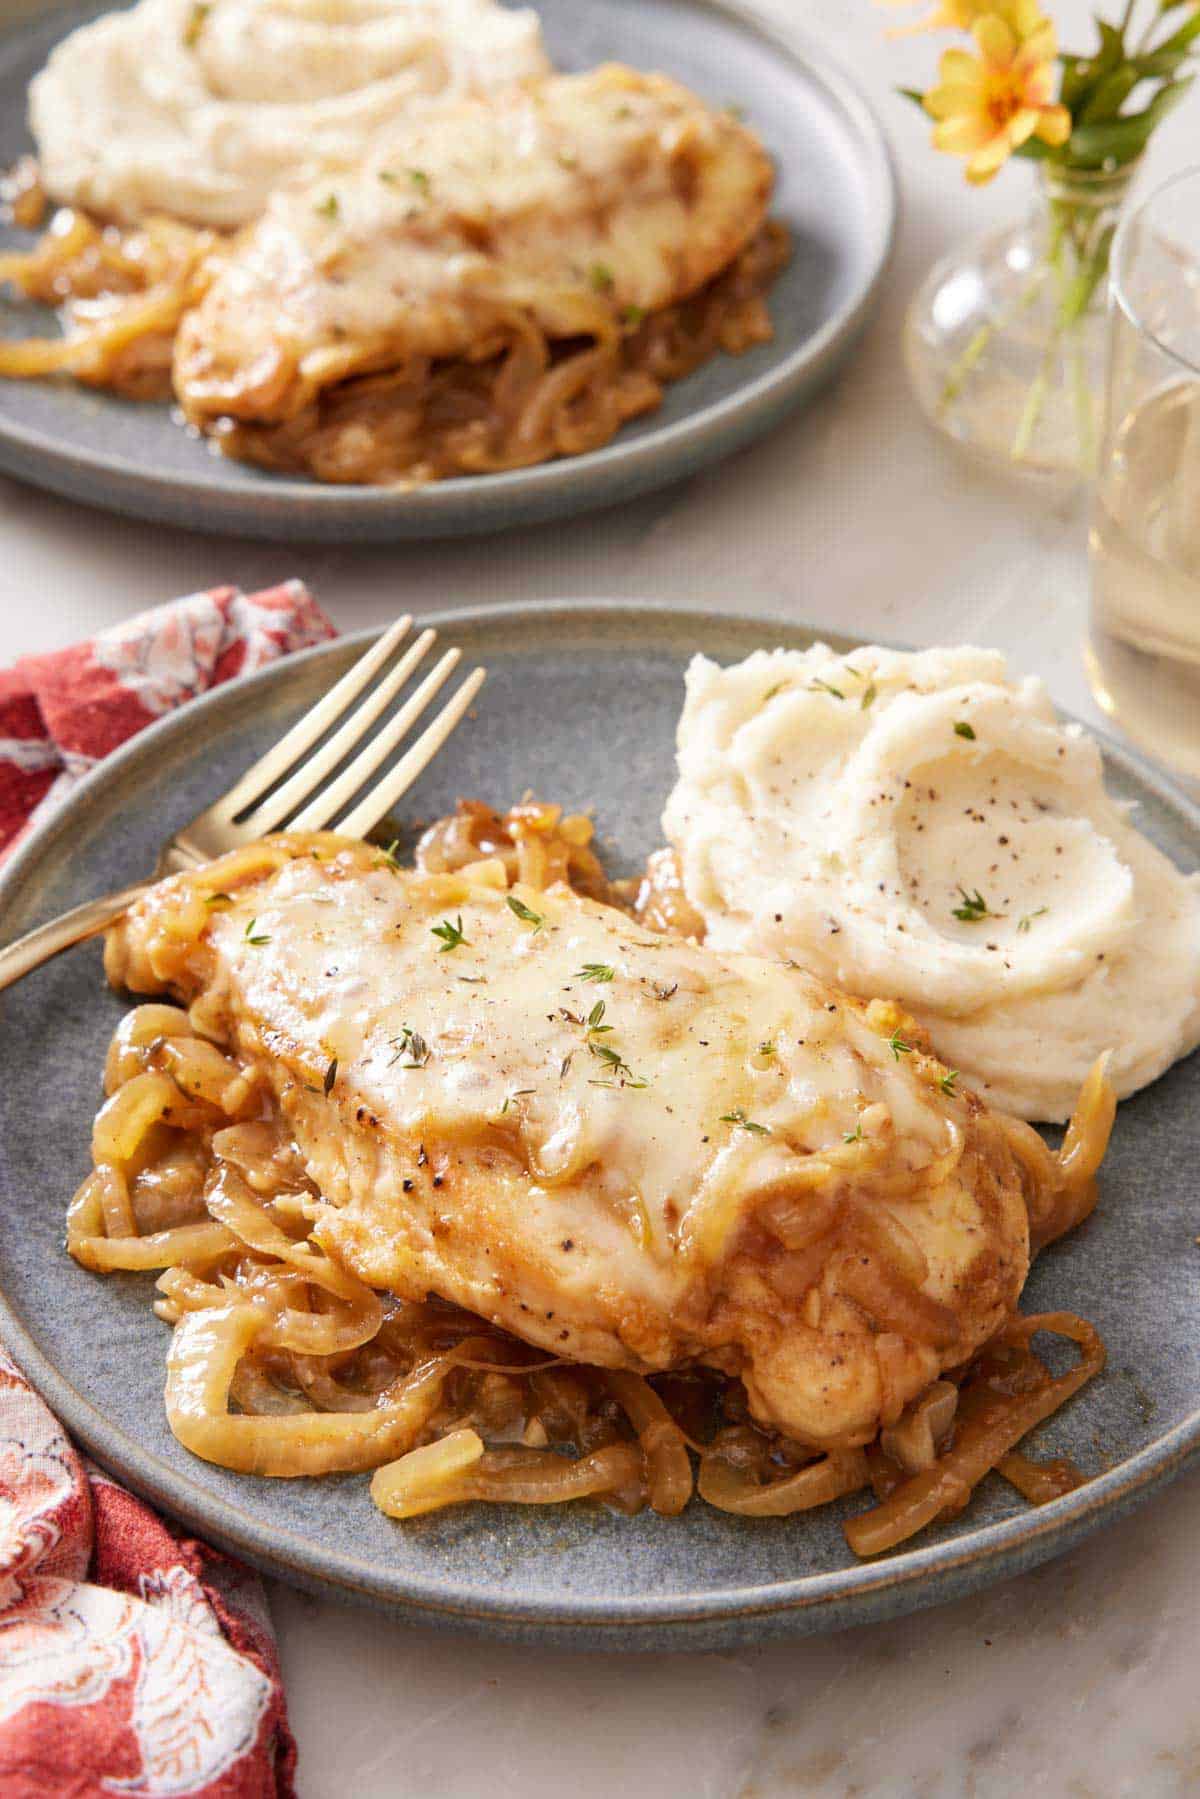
[
  {"x": 580, "y": 705},
  {"x": 836, "y": 193}
]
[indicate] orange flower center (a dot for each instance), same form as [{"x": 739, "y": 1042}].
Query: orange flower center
[{"x": 1004, "y": 102}]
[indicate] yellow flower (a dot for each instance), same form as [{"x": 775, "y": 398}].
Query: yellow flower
[
  {"x": 987, "y": 106},
  {"x": 961, "y": 15}
]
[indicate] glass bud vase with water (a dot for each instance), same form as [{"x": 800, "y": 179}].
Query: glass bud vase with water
[
  {"x": 1005, "y": 338},
  {"x": 1143, "y": 648}
]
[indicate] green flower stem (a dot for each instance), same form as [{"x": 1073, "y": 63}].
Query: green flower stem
[{"x": 970, "y": 358}]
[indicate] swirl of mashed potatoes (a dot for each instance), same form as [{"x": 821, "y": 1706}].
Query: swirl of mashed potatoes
[
  {"x": 198, "y": 108},
  {"x": 921, "y": 827}
]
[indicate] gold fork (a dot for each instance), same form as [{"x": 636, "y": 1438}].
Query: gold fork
[{"x": 292, "y": 789}]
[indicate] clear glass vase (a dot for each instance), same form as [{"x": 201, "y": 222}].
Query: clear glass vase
[{"x": 1005, "y": 339}]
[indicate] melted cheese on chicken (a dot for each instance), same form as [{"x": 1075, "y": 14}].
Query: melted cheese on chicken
[
  {"x": 580, "y": 203},
  {"x": 624, "y": 1147}
]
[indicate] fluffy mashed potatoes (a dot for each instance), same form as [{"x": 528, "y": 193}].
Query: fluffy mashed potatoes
[
  {"x": 198, "y": 108},
  {"x": 920, "y": 827}
]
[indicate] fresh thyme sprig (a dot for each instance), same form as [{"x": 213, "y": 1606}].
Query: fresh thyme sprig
[
  {"x": 594, "y": 971},
  {"x": 739, "y": 1118},
  {"x": 525, "y": 913},
  {"x": 973, "y": 908},
  {"x": 451, "y": 934},
  {"x": 409, "y": 1043}
]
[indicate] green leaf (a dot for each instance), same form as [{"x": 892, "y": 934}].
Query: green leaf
[
  {"x": 1109, "y": 96},
  {"x": 912, "y": 93},
  {"x": 1083, "y": 74},
  {"x": 1120, "y": 141},
  {"x": 1187, "y": 34},
  {"x": 1033, "y": 150}
]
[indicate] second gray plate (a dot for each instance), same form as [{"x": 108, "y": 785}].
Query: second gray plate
[
  {"x": 835, "y": 192},
  {"x": 580, "y": 705}
]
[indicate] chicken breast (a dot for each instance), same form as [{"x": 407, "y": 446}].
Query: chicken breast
[
  {"x": 622, "y": 1147},
  {"x": 573, "y": 205}
]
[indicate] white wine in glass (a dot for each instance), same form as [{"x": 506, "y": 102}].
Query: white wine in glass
[{"x": 1143, "y": 648}]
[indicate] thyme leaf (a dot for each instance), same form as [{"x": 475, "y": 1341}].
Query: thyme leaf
[
  {"x": 973, "y": 908},
  {"x": 594, "y": 971},
  {"x": 450, "y": 934},
  {"x": 525, "y": 913},
  {"x": 738, "y": 1117}
]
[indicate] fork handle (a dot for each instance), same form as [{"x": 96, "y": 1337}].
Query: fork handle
[{"x": 73, "y": 927}]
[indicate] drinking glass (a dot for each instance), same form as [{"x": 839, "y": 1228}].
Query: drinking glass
[{"x": 1143, "y": 650}]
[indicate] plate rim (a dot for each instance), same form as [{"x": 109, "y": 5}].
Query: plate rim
[
  {"x": 548, "y": 488},
  {"x": 859, "y": 1592}
]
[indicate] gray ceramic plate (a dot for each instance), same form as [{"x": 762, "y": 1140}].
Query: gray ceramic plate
[
  {"x": 836, "y": 193},
  {"x": 604, "y": 687}
]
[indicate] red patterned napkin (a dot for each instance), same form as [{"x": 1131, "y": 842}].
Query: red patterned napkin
[
  {"x": 59, "y": 714},
  {"x": 132, "y": 1660}
]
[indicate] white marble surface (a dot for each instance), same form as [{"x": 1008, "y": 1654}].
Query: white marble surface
[{"x": 1076, "y": 1680}]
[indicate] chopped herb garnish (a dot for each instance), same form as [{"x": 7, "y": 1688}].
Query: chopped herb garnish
[
  {"x": 854, "y": 1136},
  {"x": 195, "y": 23},
  {"x": 973, "y": 908},
  {"x": 525, "y": 913},
  {"x": 330, "y": 1077},
  {"x": 963, "y": 729},
  {"x": 898, "y": 1046},
  {"x": 1024, "y": 923},
  {"x": 601, "y": 277},
  {"x": 738, "y": 1117},
  {"x": 632, "y": 316},
  {"x": 218, "y": 899},
  {"x": 517, "y": 1093},
  {"x": 949, "y": 1083},
  {"x": 389, "y": 176},
  {"x": 595, "y": 1023},
  {"x": 594, "y": 971},
  {"x": 870, "y": 695},
  {"x": 613, "y": 1060},
  {"x": 409, "y": 1043},
  {"x": 329, "y": 207},
  {"x": 419, "y": 179},
  {"x": 256, "y": 938},
  {"x": 766, "y": 1049},
  {"x": 565, "y": 1064},
  {"x": 388, "y": 857},
  {"x": 450, "y": 934},
  {"x": 818, "y": 686}
]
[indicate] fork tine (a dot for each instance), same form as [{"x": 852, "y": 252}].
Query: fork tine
[
  {"x": 313, "y": 770},
  {"x": 316, "y": 721},
  {"x": 328, "y": 803},
  {"x": 383, "y": 797}
]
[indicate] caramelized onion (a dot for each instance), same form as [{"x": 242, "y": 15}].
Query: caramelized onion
[
  {"x": 734, "y": 1489},
  {"x": 996, "y": 1425},
  {"x": 668, "y": 1466}
]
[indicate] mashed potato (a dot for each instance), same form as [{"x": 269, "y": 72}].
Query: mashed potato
[
  {"x": 199, "y": 109},
  {"x": 921, "y": 827}
]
